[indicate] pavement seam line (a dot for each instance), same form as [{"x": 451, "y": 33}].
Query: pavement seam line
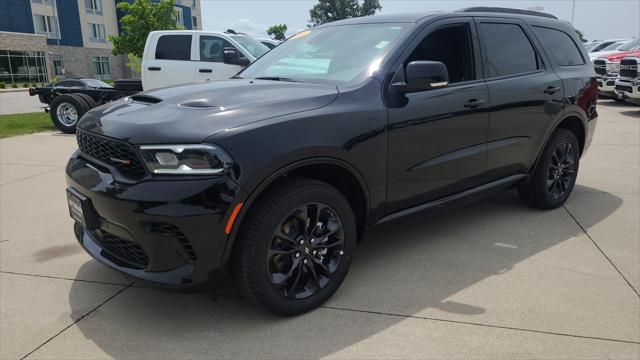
[
  {"x": 33, "y": 165},
  {"x": 32, "y": 176},
  {"x": 61, "y": 278},
  {"x": 77, "y": 320},
  {"x": 601, "y": 251},
  {"x": 479, "y": 324}
]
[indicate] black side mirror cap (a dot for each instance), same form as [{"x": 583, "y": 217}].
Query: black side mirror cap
[
  {"x": 421, "y": 76},
  {"x": 233, "y": 57}
]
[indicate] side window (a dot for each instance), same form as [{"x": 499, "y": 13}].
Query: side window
[
  {"x": 212, "y": 48},
  {"x": 508, "y": 51},
  {"x": 174, "y": 47},
  {"x": 452, "y": 46},
  {"x": 560, "y": 47}
]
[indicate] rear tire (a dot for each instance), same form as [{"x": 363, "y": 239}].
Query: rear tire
[
  {"x": 89, "y": 101},
  {"x": 295, "y": 246},
  {"x": 66, "y": 110},
  {"x": 555, "y": 175}
]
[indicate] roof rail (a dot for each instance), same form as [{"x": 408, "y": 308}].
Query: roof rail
[{"x": 506, "y": 11}]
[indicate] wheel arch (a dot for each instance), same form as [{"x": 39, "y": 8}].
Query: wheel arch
[
  {"x": 572, "y": 122},
  {"x": 335, "y": 172}
]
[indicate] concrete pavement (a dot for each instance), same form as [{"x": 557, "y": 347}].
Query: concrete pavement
[
  {"x": 492, "y": 280},
  {"x": 18, "y": 102}
]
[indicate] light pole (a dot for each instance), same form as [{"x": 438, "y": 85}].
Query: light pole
[
  {"x": 54, "y": 9},
  {"x": 573, "y": 11}
]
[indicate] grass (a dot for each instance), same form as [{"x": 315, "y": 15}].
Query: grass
[{"x": 21, "y": 124}]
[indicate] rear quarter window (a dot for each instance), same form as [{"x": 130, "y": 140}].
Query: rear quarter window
[
  {"x": 174, "y": 47},
  {"x": 559, "y": 46}
]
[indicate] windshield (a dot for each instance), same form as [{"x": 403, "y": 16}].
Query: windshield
[
  {"x": 613, "y": 46},
  {"x": 252, "y": 45},
  {"x": 631, "y": 45},
  {"x": 335, "y": 54},
  {"x": 96, "y": 83}
]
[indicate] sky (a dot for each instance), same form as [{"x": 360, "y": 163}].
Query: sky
[{"x": 597, "y": 19}]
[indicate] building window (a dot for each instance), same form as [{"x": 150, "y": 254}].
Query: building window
[
  {"x": 46, "y": 2},
  {"x": 57, "y": 68},
  {"x": 177, "y": 15},
  {"x": 193, "y": 4},
  {"x": 23, "y": 66},
  {"x": 46, "y": 25},
  {"x": 97, "y": 33},
  {"x": 93, "y": 6},
  {"x": 100, "y": 68},
  {"x": 194, "y": 21}
]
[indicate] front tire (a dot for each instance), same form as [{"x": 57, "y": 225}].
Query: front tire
[
  {"x": 554, "y": 178},
  {"x": 295, "y": 247}
]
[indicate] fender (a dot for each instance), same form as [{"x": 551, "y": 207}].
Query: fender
[{"x": 255, "y": 192}]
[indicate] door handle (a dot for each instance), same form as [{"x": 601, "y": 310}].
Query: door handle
[
  {"x": 205, "y": 70},
  {"x": 552, "y": 90},
  {"x": 473, "y": 103},
  {"x": 154, "y": 68}
]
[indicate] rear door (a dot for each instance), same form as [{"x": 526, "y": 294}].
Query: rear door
[
  {"x": 210, "y": 64},
  {"x": 526, "y": 95},
  {"x": 169, "y": 61}
]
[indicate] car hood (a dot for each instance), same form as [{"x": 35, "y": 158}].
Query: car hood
[
  {"x": 598, "y": 54},
  {"x": 192, "y": 113}
]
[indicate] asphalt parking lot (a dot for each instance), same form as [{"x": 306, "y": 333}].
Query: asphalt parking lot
[{"x": 492, "y": 280}]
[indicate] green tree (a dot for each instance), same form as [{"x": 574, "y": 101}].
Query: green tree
[
  {"x": 277, "y": 32},
  {"x": 331, "y": 10},
  {"x": 581, "y": 36},
  {"x": 141, "y": 17}
]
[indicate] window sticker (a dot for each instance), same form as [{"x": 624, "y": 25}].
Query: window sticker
[{"x": 382, "y": 44}]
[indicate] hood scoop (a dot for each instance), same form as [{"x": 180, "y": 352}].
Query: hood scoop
[
  {"x": 201, "y": 104},
  {"x": 145, "y": 99}
]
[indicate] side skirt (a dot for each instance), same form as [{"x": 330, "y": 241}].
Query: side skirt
[{"x": 467, "y": 195}]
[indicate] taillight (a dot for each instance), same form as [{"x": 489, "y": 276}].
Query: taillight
[{"x": 31, "y": 93}]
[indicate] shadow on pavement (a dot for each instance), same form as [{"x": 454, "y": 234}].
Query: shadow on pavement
[{"x": 405, "y": 267}]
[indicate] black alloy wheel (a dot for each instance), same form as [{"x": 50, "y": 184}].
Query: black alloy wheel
[
  {"x": 305, "y": 251},
  {"x": 561, "y": 171}
]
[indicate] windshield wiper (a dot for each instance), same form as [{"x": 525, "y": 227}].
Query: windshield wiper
[{"x": 274, "y": 78}]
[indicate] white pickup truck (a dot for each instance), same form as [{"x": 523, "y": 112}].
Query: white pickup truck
[{"x": 184, "y": 56}]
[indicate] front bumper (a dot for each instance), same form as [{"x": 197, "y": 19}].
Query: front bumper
[
  {"x": 628, "y": 88},
  {"x": 607, "y": 85},
  {"x": 168, "y": 232}
]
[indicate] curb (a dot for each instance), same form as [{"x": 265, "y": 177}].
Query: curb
[{"x": 13, "y": 90}]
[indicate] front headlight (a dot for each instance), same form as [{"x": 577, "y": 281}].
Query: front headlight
[
  {"x": 613, "y": 68},
  {"x": 192, "y": 159}
]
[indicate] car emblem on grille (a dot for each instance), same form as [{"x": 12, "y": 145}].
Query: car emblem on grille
[{"x": 121, "y": 161}]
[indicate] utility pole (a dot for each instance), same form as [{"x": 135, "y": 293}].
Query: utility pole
[{"x": 573, "y": 11}]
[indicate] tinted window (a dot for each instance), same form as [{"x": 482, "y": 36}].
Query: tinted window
[
  {"x": 212, "y": 48},
  {"x": 451, "y": 46},
  {"x": 268, "y": 44},
  {"x": 507, "y": 50},
  {"x": 174, "y": 47},
  {"x": 69, "y": 83},
  {"x": 252, "y": 45},
  {"x": 562, "y": 50}
]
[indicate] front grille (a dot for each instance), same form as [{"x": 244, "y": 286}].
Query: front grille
[
  {"x": 600, "y": 66},
  {"x": 624, "y": 88},
  {"x": 173, "y": 232},
  {"x": 629, "y": 68},
  {"x": 126, "y": 250},
  {"x": 118, "y": 154}
]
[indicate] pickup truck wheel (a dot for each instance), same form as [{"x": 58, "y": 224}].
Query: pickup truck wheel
[
  {"x": 88, "y": 100},
  {"x": 295, "y": 247},
  {"x": 553, "y": 180},
  {"x": 65, "y": 112}
]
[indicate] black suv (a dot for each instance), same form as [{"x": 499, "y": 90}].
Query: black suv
[{"x": 275, "y": 174}]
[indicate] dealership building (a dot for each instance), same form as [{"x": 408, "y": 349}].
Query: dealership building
[{"x": 43, "y": 39}]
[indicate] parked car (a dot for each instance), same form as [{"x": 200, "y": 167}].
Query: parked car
[
  {"x": 607, "y": 69},
  {"x": 184, "y": 56},
  {"x": 274, "y": 175},
  {"x": 628, "y": 81},
  {"x": 270, "y": 43},
  {"x": 613, "y": 43},
  {"x": 615, "y": 48},
  {"x": 592, "y": 44},
  {"x": 69, "y": 99}
]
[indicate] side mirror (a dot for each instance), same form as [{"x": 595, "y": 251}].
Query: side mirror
[
  {"x": 421, "y": 76},
  {"x": 232, "y": 56}
]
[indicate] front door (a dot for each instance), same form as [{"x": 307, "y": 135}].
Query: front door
[
  {"x": 437, "y": 139},
  {"x": 211, "y": 64}
]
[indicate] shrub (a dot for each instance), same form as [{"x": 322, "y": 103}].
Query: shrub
[
  {"x": 14, "y": 85},
  {"x": 25, "y": 84},
  {"x": 2, "y": 85}
]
